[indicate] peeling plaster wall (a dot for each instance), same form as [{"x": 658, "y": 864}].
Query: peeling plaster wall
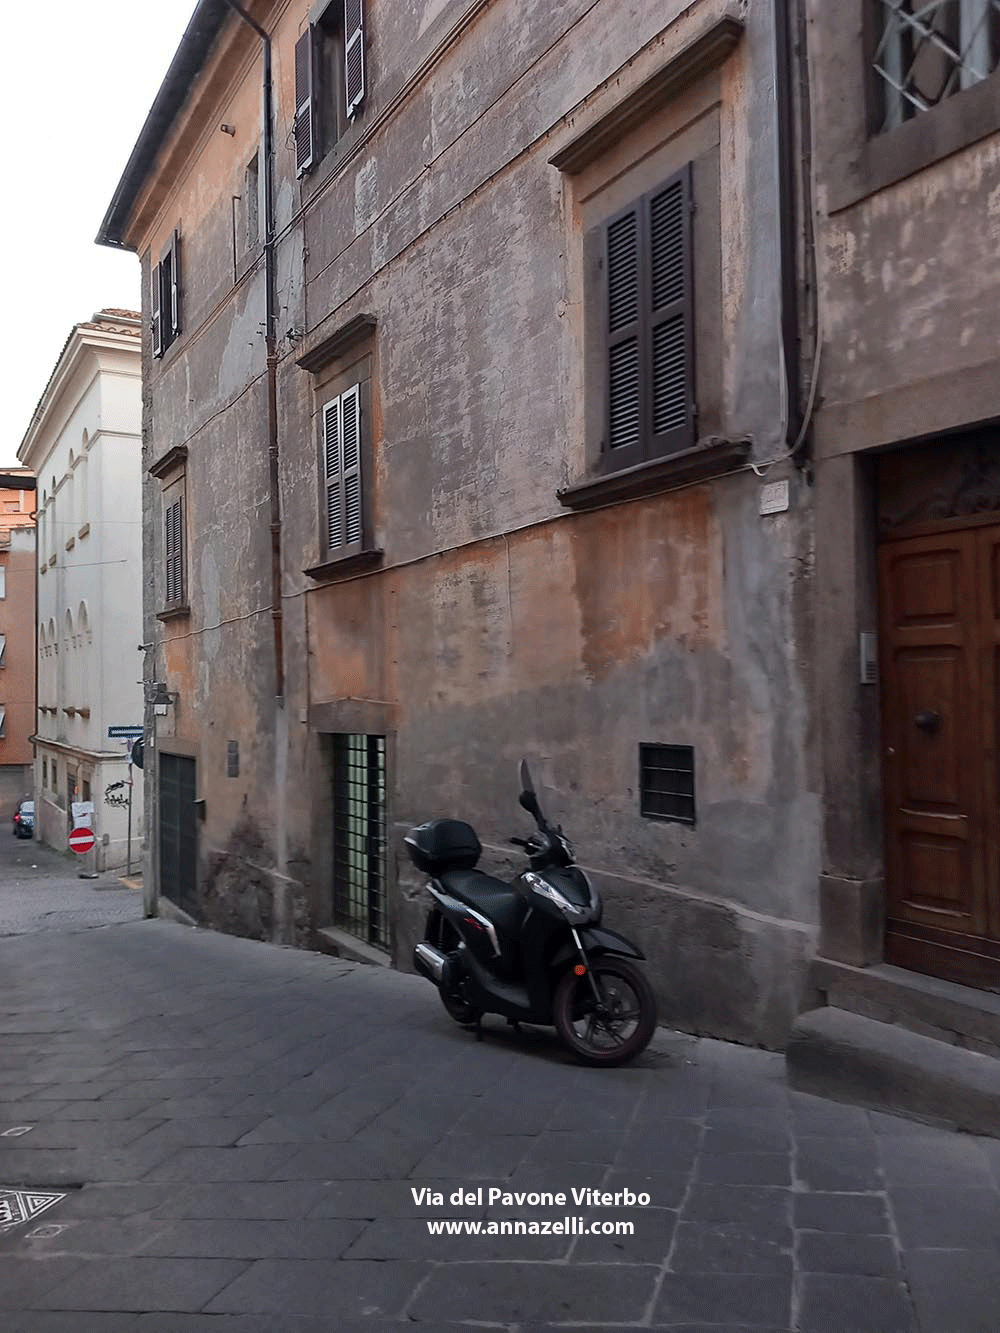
[
  {"x": 909, "y": 269},
  {"x": 499, "y": 624}
]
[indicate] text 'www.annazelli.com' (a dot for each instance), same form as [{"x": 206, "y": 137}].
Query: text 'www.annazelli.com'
[{"x": 569, "y": 1226}]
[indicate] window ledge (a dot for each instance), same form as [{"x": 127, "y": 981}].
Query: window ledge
[
  {"x": 704, "y": 53},
  {"x": 330, "y": 570},
  {"x": 886, "y": 159},
  {"x": 173, "y": 458},
  {"x": 710, "y": 458},
  {"x": 84, "y": 530},
  {"x": 173, "y": 612},
  {"x": 83, "y": 712},
  {"x": 70, "y": 542}
]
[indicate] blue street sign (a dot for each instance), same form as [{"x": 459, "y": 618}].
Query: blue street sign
[{"x": 125, "y": 733}]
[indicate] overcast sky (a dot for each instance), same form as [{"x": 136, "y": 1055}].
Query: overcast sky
[{"x": 77, "y": 94}]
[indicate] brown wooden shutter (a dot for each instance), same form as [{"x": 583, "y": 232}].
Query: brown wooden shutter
[
  {"x": 175, "y": 285},
  {"x": 354, "y": 54},
  {"x": 624, "y": 357},
  {"x": 671, "y": 322},
  {"x": 155, "y": 279},
  {"x": 350, "y": 434},
  {"x": 173, "y": 551},
  {"x": 305, "y": 116}
]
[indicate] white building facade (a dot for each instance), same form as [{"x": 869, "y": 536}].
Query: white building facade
[{"x": 84, "y": 445}]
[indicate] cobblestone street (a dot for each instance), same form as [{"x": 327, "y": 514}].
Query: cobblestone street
[
  {"x": 233, "y": 1133},
  {"x": 42, "y": 890}
]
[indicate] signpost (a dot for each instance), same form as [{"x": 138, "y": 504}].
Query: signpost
[
  {"x": 81, "y": 840},
  {"x": 132, "y": 735}
]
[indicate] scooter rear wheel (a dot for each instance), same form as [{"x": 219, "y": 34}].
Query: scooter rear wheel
[
  {"x": 627, "y": 1024},
  {"x": 464, "y": 1014}
]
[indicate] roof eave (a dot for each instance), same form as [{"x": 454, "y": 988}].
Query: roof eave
[{"x": 198, "y": 39}]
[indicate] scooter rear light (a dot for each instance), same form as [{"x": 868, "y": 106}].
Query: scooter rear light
[{"x": 580, "y": 970}]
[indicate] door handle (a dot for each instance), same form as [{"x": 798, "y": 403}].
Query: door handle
[{"x": 928, "y": 721}]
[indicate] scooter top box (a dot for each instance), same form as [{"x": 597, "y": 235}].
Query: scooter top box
[{"x": 443, "y": 844}]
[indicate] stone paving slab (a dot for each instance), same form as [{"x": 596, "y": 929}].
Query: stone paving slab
[{"x": 245, "y": 1126}]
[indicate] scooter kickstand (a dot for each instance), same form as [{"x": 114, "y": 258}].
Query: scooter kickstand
[{"x": 514, "y": 1023}]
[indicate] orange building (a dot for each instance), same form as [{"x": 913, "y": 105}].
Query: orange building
[{"x": 17, "y": 639}]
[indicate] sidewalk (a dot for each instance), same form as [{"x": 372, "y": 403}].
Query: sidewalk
[{"x": 236, "y": 1132}]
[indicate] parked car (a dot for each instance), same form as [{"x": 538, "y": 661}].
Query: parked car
[{"x": 24, "y": 819}]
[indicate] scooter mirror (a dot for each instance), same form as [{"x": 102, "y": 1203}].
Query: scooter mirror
[
  {"x": 529, "y": 801},
  {"x": 525, "y": 775}
]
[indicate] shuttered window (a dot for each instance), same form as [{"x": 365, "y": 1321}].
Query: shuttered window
[
  {"x": 304, "y": 110},
  {"x": 165, "y": 296},
  {"x": 3, "y": 721},
  {"x": 330, "y": 80},
  {"x": 3, "y": 650},
  {"x": 173, "y": 552},
  {"x": 344, "y": 509},
  {"x": 649, "y": 327},
  {"x": 354, "y": 54}
]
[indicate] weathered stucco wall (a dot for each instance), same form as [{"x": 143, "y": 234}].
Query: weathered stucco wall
[
  {"x": 498, "y": 624},
  {"x": 909, "y": 270},
  {"x": 908, "y": 235}
]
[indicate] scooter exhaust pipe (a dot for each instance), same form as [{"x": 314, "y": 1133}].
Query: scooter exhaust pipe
[{"x": 429, "y": 962}]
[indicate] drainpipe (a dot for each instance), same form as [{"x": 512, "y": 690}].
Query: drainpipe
[
  {"x": 271, "y": 341},
  {"x": 790, "y": 334}
]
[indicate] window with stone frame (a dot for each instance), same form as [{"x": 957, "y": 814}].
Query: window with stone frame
[
  {"x": 923, "y": 52},
  {"x": 343, "y": 389},
  {"x": 642, "y": 291},
  {"x": 171, "y": 472}
]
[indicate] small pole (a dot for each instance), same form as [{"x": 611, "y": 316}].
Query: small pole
[
  {"x": 128, "y": 854},
  {"x": 92, "y": 872}
]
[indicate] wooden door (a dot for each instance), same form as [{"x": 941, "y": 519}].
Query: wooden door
[{"x": 940, "y": 639}]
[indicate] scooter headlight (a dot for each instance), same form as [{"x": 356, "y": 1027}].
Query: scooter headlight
[{"x": 546, "y": 890}]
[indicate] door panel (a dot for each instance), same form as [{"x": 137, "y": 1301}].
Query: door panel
[
  {"x": 988, "y": 552},
  {"x": 940, "y": 855}
]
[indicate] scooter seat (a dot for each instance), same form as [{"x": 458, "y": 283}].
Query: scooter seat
[{"x": 495, "y": 899}]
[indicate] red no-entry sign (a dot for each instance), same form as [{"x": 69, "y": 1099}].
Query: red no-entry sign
[{"x": 81, "y": 839}]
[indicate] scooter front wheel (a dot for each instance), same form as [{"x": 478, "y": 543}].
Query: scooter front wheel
[{"x": 614, "y": 1030}]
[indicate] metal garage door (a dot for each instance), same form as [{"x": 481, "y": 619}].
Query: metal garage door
[{"x": 178, "y": 832}]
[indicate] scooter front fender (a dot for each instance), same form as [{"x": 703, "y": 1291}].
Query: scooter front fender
[{"x": 596, "y": 940}]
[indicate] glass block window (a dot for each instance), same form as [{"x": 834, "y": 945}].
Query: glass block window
[
  {"x": 928, "y": 50},
  {"x": 359, "y": 838}
]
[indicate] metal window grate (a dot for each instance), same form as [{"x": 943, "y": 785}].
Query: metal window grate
[
  {"x": 666, "y": 783},
  {"x": 927, "y": 50},
  {"x": 359, "y": 837}
]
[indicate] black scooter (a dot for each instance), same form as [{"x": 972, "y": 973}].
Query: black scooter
[{"x": 532, "y": 951}]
